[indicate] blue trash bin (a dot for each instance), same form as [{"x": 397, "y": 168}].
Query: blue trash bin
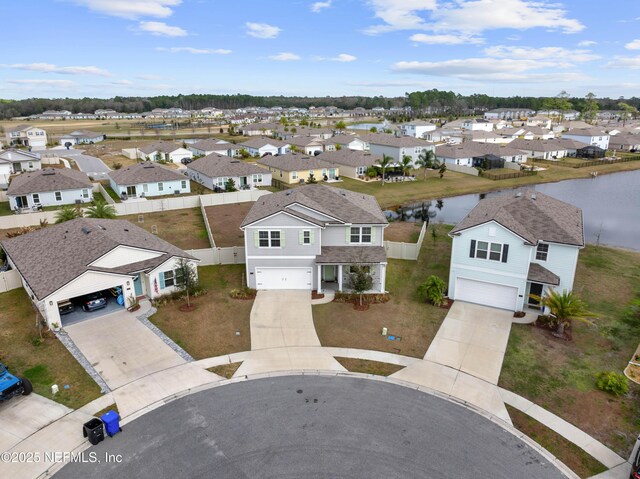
[{"x": 111, "y": 421}]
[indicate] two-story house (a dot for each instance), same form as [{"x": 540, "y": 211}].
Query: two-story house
[
  {"x": 25, "y": 135},
  {"x": 309, "y": 237},
  {"x": 590, "y": 136},
  {"x": 148, "y": 179},
  {"x": 397, "y": 147},
  {"x": 16, "y": 161},
  {"x": 49, "y": 187},
  {"x": 417, "y": 128},
  {"x": 512, "y": 246}
]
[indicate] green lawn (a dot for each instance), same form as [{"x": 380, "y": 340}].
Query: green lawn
[
  {"x": 560, "y": 376},
  {"x": 5, "y": 209},
  {"x": 44, "y": 363}
]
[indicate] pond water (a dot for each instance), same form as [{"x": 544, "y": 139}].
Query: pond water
[
  {"x": 368, "y": 126},
  {"x": 610, "y": 206}
]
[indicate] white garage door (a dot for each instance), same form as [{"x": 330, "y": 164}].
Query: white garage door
[
  {"x": 489, "y": 294},
  {"x": 284, "y": 278}
]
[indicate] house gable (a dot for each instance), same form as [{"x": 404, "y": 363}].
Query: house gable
[
  {"x": 122, "y": 255},
  {"x": 282, "y": 219}
]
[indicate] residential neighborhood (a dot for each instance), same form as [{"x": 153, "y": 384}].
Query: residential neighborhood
[{"x": 410, "y": 250}]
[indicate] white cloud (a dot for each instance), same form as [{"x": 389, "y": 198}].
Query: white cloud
[
  {"x": 121, "y": 82},
  {"x": 319, "y": 6},
  {"x": 49, "y": 83},
  {"x": 634, "y": 45},
  {"x": 471, "y": 17},
  {"x": 195, "y": 51},
  {"x": 262, "y": 30},
  {"x": 148, "y": 77},
  {"x": 632, "y": 63},
  {"x": 162, "y": 29},
  {"x": 446, "y": 39},
  {"x": 131, "y": 8},
  {"x": 50, "y": 68},
  {"x": 544, "y": 53},
  {"x": 587, "y": 43},
  {"x": 344, "y": 57},
  {"x": 285, "y": 57}
]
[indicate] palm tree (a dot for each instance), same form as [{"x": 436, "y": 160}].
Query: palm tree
[
  {"x": 426, "y": 160},
  {"x": 406, "y": 165},
  {"x": 68, "y": 213},
  {"x": 566, "y": 306},
  {"x": 383, "y": 164},
  {"x": 101, "y": 210}
]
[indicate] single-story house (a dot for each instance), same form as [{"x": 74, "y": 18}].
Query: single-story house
[
  {"x": 148, "y": 179},
  {"x": 350, "y": 142},
  {"x": 464, "y": 153},
  {"x": 25, "y": 135},
  {"x": 214, "y": 171},
  {"x": 258, "y": 129},
  {"x": 306, "y": 144},
  {"x": 258, "y": 147},
  {"x": 213, "y": 145},
  {"x": 475, "y": 124},
  {"x": 16, "y": 161},
  {"x": 351, "y": 163},
  {"x": 163, "y": 151},
  {"x": 49, "y": 187},
  {"x": 309, "y": 237},
  {"x": 625, "y": 142},
  {"x": 80, "y": 137},
  {"x": 512, "y": 246},
  {"x": 92, "y": 255},
  {"x": 295, "y": 168},
  {"x": 547, "y": 149},
  {"x": 508, "y": 113}
]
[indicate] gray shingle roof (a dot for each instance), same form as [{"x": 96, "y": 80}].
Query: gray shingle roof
[
  {"x": 260, "y": 142},
  {"x": 83, "y": 134},
  {"x": 352, "y": 254},
  {"x": 213, "y": 144},
  {"x": 541, "y": 219},
  {"x": 293, "y": 162},
  {"x": 53, "y": 256},
  {"x": 540, "y": 274},
  {"x": 48, "y": 179},
  {"x": 215, "y": 166},
  {"x": 347, "y": 206},
  {"x": 162, "y": 146},
  {"x": 348, "y": 157},
  {"x": 394, "y": 141},
  {"x": 145, "y": 172},
  {"x": 12, "y": 156},
  {"x": 555, "y": 144}
]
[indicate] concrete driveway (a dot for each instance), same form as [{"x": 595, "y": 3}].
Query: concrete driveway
[
  {"x": 472, "y": 339},
  {"x": 121, "y": 348},
  {"x": 282, "y": 319}
]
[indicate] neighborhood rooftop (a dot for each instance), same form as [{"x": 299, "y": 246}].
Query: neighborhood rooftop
[
  {"x": 51, "y": 257},
  {"x": 348, "y": 157},
  {"x": 162, "y": 146},
  {"x": 260, "y": 142},
  {"x": 48, "y": 179},
  {"x": 215, "y": 166},
  {"x": 145, "y": 172},
  {"x": 293, "y": 162},
  {"x": 532, "y": 215},
  {"x": 344, "y": 205}
]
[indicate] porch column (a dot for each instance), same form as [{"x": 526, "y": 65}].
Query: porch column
[
  {"x": 319, "y": 288},
  {"x": 383, "y": 277},
  {"x": 340, "y": 278}
]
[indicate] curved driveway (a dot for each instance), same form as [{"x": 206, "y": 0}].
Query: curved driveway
[{"x": 314, "y": 426}]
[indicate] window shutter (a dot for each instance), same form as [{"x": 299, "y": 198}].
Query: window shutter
[
  {"x": 312, "y": 235},
  {"x": 256, "y": 239},
  {"x": 281, "y": 239},
  {"x": 161, "y": 281},
  {"x": 373, "y": 234},
  {"x": 472, "y": 252},
  {"x": 505, "y": 252},
  {"x": 301, "y": 237},
  {"x": 348, "y": 230}
]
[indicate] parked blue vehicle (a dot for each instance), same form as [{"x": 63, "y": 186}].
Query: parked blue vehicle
[{"x": 11, "y": 385}]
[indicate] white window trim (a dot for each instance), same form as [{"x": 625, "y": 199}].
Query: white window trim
[
  {"x": 546, "y": 253},
  {"x": 56, "y": 194},
  {"x": 306, "y": 235},
  {"x": 270, "y": 239},
  {"x": 489, "y": 251},
  {"x": 351, "y": 228}
]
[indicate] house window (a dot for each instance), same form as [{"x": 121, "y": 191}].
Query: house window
[
  {"x": 31, "y": 165},
  {"x": 482, "y": 250},
  {"x": 491, "y": 251},
  {"x": 257, "y": 178},
  {"x": 36, "y": 198},
  {"x": 85, "y": 193},
  {"x": 58, "y": 196},
  {"x": 360, "y": 234},
  {"x": 495, "y": 254},
  {"x": 542, "y": 252},
  {"x": 269, "y": 239},
  {"x": 306, "y": 237},
  {"x": 160, "y": 186},
  {"x": 169, "y": 279},
  {"x": 361, "y": 170},
  {"x": 183, "y": 184},
  {"x": 294, "y": 175}
]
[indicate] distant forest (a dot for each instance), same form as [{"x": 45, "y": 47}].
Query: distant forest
[{"x": 430, "y": 101}]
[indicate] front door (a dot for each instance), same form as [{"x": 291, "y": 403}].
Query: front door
[
  {"x": 332, "y": 173},
  {"x": 328, "y": 272},
  {"x": 17, "y": 167},
  {"x": 536, "y": 290},
  {"x": 243, "y": 181},
  {"x": 137, "y": 285},
  {"x": 22, "y": 202},
  {"x": 131, "y": 191}
]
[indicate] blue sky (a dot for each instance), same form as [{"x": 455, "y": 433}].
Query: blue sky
[{"x": 103, "y": 48}]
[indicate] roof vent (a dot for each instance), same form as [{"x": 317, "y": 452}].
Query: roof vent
[
  {"x": 235, "y": 161},
  {"x": 533, "y": 196},
  {"x": 288, "y": 193},
  {"x": 126, "y": 229},
  {"x": 86, "y": 230},
  {"x": 102, "y": 228},
  {"x": 518, "y": 194},
  {"x": 48, "y": 172}
]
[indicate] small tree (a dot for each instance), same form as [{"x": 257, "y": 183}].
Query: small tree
[
  {"x": 425, "y": 160},
  {"x": 312, "y": 179},
  {"x": 373, "y": 129},
  {"x": 405, "y": 164},
  {"x": 341, "y": 125},
  {"x": 442, "y": 169},
  {"x": 68, "y": 213},
  {"x": 230, "y": 185},
  {"x": 360, "y": 279},
  {"x": 186, "y": 278},
  {"x": 101, "y": 210},
  {"x": 383, "y": 164},
  {"x": 432, "y": 290},
  {"x": 565, "y": 307}
]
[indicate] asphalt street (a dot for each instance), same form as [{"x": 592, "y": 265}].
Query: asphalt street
[
  {"x": 313, "y": 427},
  {"x": 92, "y": 166}
]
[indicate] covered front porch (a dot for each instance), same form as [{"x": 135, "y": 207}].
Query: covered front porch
[
  {"x": 539, "y": 281},
  {"x": 334, "y": 266}
]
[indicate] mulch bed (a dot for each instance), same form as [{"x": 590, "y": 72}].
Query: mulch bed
[
  {"x": 185, "y": 308},
  {"x": 315, "y": 295},
  {"x": 542, "y": 324},
  {"x": 448, "y": 304}
]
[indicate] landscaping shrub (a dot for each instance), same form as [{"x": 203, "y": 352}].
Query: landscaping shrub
[
  {"x": 116, "y": 166},
  {"x": 243, "y": 293},
  {"x": 432, "y": 290},
  {"x": 612, "y": 382},
  {"x": 373, "y": 298}
]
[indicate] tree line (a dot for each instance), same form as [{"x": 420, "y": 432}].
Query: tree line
[{"x": 421, "y": 102}]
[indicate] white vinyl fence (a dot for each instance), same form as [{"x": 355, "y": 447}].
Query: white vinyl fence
[
  {"x": 410, "y": 251},
  {"x": 214, "y": 256},
  {"x": 10, "y": 280}
]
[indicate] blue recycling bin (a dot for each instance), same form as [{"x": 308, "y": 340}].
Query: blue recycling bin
[{"x": 111, "y": 420}]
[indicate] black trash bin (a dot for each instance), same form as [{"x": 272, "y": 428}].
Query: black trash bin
[{"x": 94, "y": 430}]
